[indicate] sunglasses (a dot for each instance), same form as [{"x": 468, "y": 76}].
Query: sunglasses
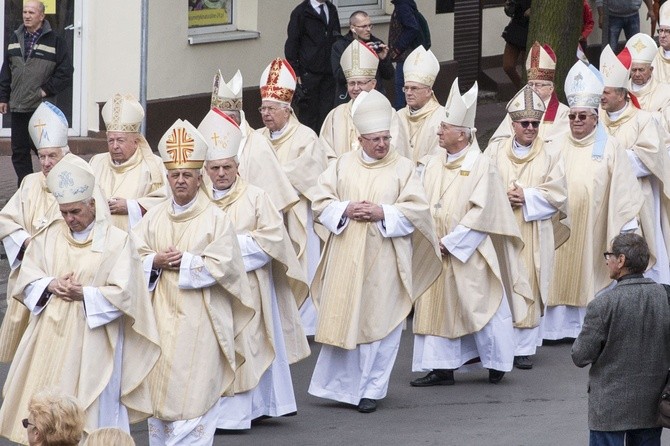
[
  {"x": 581, "y": 116},
  {"x": 26, "y": 423},
  {"x": 525, "y": 124}
]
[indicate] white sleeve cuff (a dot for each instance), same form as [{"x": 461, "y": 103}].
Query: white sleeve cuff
[
  {"x": 99, "y": 311},
  {"x": 33, "y": 292},
  {"x": 462, "y": 242},
  {"x": 333, "y": 215},
  {"x": 394, "y": 223},
  {"x": 193, "y": 273},
  {"x": 536, "y": 207},
  {"x": 147, "y": 266},
  {"x": 12, "y": 244},
  {"x": 134, "y": 213},
  {"x": 639, "y": 168},
  {"x": 252, "y": 254},
  {"x": 630, "y": 226}
]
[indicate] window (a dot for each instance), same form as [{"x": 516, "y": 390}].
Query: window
[
  {"x": 221, "y": 20},
  {"x": 346, "y": 7}
]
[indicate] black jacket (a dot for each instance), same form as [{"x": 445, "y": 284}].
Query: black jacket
[
  {"x": 49, "y": 67},
  {"x": 310, "y": 40},
  {"x": 385, "y": 68}
]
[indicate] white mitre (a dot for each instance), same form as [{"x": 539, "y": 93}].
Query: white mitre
[
  {"x": 182, "y": 147},
  {"x": 227, "y": 95},
  {"x": 222, "y": 134},
  {"x": 583, "y": 86},
  {"x": 460, "y": 110},
  {"x": 664, "y": 15},
  {"x": 371, "y": 112},
  {"x": 48, "y": 127},
  {"x": 70, "y": 183},
  {"x": 123, "y": 113},
  {"x": 421, "y": 66},
  {"x": 615, "y": 74},
  {"x": 359, "y": 60},
  {"x": 642, "y": 48},
  {"x": 526, "y": 104}
]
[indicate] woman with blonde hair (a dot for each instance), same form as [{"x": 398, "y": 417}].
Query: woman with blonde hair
[
  {"x": 109, "y": 436},
  {"x": 54, "y": 419}
]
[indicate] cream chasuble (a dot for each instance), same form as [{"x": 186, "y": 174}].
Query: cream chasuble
[
  {"x": 339, "y": 135},
  {"x": 259, "y": 166},
  {"x": 366, "y": 283},
  {"x": 197, "y": 327},
  {"x": 421, "y": 127},
  {"x": 251, "y": 212},
  {"x": 141, "y": 178},
  {"x": 636, "y": 130},
  {"x": 32, "y": 208},
  {"x": 543, "y": 170},
  {"x": 302, "y": 161},
  {"x": 549, "y": 131},
  {"x": 60, "y": 351},
  {"x": 603, "y": 195},
  {"x": 661, "y": 65},
  {"x": 466, "y": 295},
  {"x": 654, "y": 97}
]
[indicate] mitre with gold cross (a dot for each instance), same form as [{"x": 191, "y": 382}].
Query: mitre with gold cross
[
  {"x": 182, "y": 147},
  {"x": 359, "y": 61},
  {"x": 642, "y": 48},
  {"x": 421, "y": 66},
  {"x": 222, "y": 134},
  {"x": 460, "y": 110},
  {"x": 615, "y": 69},
  {"x": 278, "y": 82},
  {"x": 48, "y": 127}
]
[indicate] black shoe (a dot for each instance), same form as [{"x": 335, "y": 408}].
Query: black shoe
[
  {"x": 495, "y": 376},
  {"x": 367, "y": 405},
  {"x": 440, "y": 377},
  {"x": 523, "y": 362}
]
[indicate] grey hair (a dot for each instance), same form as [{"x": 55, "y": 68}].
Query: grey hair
[{"x": 634, "y": 247}]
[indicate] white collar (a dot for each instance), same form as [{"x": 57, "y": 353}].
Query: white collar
[
  {"x": 617, "y": 114},
  {"x": 220, "y": 193},
  {"x": 520, "y": 150},
  {"x": 274, "y": 134},
  {"x": 178, "y": 209},
  {"x": 454, "y": 156},
  {"x": 83, "y": 235}
]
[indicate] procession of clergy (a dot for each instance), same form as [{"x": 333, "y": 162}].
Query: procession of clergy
[{"x": 180, "y": 288}]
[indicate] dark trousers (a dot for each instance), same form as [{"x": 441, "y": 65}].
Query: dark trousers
[
  {"x": 633, "y": 437},
  {"x": 317, "y": 101},
  {"x": 399, "y": 83},
  {"x": 22, "y": 144}
]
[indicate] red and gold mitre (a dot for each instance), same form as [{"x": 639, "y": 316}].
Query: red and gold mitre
[
  {"x": 541, "y": 63},
  {"x": 278, "y": 82}
]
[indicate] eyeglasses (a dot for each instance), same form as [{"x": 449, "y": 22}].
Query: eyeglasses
[
  {"x": 412, "y": 89},
  {"x": 378, "y": 139},
  {"x": 607, "y": 255},
  {"x": 581, "y": 116},
  {"x": 663, "y": 31},
  {"x": 533, "y": 84},
  {"x": 360, "y": 84},
  {"x": 366, "y": 26},
  {"x": 26, "y": 423},
  {"x": 265, "y": 109},
  {"x": 525, "y": 124}
]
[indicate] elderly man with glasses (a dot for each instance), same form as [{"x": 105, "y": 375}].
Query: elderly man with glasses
[
  {"x": 603, "y": 200},
  {"x": 661, "y": 62},
  {"x": 534, "y": 175},
  {"x": 541, "y": 70}
]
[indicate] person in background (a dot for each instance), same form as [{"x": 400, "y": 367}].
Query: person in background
[
  {"x": 312, "y": 29},
  {"x": 626, "y": 340},
  {"x": 360, "y": 28},
  {"x": 623, "y": 15},
  {"x": 404, "y": 33},
  {"x": 54, "y": 419},
  {"x": 515, "y": 35}
]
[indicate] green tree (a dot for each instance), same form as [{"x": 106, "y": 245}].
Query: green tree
[{"x": 558, "y": 23}]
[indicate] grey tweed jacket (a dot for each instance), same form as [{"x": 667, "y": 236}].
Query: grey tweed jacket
[{"x": 626, "y": 339}]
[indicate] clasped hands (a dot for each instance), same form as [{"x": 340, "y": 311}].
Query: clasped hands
[
  {"x": 67, "y": 288},
  {"x": 168, "y": 259},
  {"x": 118, "y": 206},
  {"x": 515, "y": 196},
  {"x": 364, "y": 211}
]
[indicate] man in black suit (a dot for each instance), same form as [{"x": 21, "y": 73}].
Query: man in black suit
[{"x": 313, "y": 28}]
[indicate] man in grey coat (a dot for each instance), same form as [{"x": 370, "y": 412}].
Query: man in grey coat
[{"x": 626, "y": 339}]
